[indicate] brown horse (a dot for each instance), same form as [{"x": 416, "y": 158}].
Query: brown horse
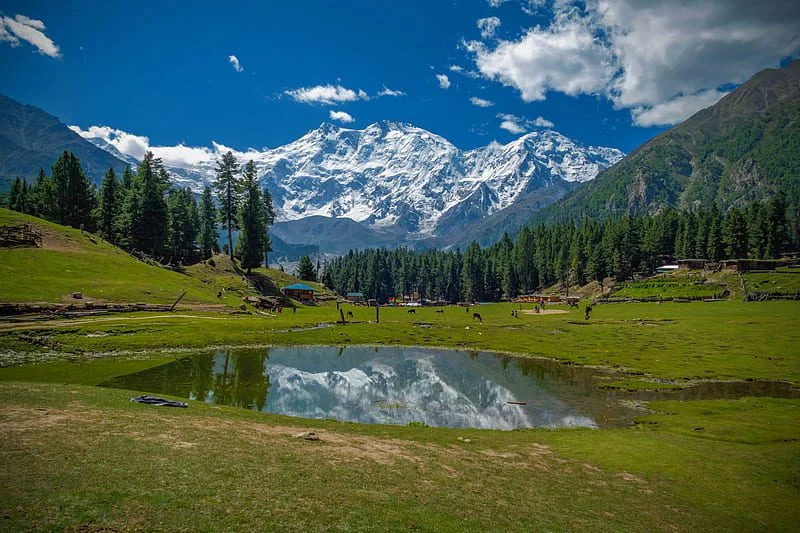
[
  {"x": 349, "y": 314},
  {"x": 477, "y": 316}
]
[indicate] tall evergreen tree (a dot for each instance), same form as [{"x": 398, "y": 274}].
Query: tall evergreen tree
[
  {"x": 152, "y": 231},
  {"x": 252, "y": 239},
  {"x": 305, "y": 269},
  {"x": 183, "y": 225},
  {"x": 269, "y": 212},
  {"x": 74, "y": 196},
  {"x": 208, "y": 224},
  {"x": 735, "y": 235},
  {"x": 15, "y": 195},
  {"x": 227, "y": 186},
  {"x": 109, "y": 206}
]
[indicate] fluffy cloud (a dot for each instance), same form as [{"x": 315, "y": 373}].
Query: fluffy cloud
[
  {"x": 488, "y": 26},
  {"x": 675, "y": 110},
  {"x": 137, "y": 145},
  {"x": 235, "y": 63},
  {"x": 496, "y": 3},
  {"x": 480, "y": 102},
  {"x": 22, "y": 28},
  {"x": 456, "y": 68},
  {"x": 564, "y": 57},
  {"x": 444, "y": 81},
  {"x": 390, "y": 92},
  {"x": 659, "y": 59},
  {"x": 341, "y": 116},
  {"x": 518, "y": 125},
  {"x": 326, "y": 94}
]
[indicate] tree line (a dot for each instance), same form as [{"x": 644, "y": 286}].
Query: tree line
[
  {"x": 141, "y": 212},
  {"x": 567, "y": 253}
]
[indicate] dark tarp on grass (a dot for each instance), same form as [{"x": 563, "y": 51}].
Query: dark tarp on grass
[{"x": 155, "y": 400}]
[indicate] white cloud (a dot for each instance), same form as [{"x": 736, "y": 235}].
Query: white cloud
[
  {"x": 676, "y": 110},
  {"x": 127, "y": 143},
  {"x": 341, "y": 116},
  {"x": 488, "y": 26},
  {"x": 235, "y": 62},
  {"x": 511, "y": 126},
  {"x": 137, "y": 145},
  {"x": 390, "y": 92},
  {"x": 496, "y": 3},
  {"x": 542, "y": 122},
  {"x": 518, "y": 125},
  {"x": 480, "y": 102},
  {"x": 444, "y": 81},
  {"x": 22, "y": 28},
  {"x": 564, "y": 57},
  {"x": 661, "y": 60},
  {"x": 326, "y": 94},
  {"x": 456, "y": 68}
]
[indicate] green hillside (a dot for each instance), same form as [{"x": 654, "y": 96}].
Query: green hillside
[
  {"x": 744, "y": 148},
  {"x": 74, "y": 261}
]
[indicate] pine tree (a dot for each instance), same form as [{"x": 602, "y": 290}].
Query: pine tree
[
  {"x": 735, "y": 235},
  {"x": 714, "y": 244},
  {"x": 39, "y": 195},
  {"x": 269, "y": 212},
  {"x": 15, "y": 194},
  {"x": 208, "y": 224},
  {"x": 777, "y": 228},
  {"x": 472, "y": 273},
  {"x": 183, "y": 225},
  {"x": 252, "y": 220},
  {"x": 227, "y": 186},
  {"x": 74, "y": 196},
  {"x": 305, "y": 269},
  {"x": 152, "y": 231},
  {"x": 109, "y": 206}
]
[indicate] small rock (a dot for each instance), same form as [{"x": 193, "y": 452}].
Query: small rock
[
  {"x": 462, "y": 439},
  {"x": 697, "y": 428},
  {"x": 307, "y": 435},
  {"x": 77, "y": 295}
]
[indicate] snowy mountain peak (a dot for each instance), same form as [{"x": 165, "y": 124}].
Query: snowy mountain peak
[{"x": 396, "y": 176}]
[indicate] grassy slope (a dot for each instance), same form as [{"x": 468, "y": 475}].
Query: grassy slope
[
  {"x": 74, "y": 261},
  {"x": 87, "y": 458}
]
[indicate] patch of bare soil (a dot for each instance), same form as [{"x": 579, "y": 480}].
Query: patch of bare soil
[{"x": 544, "y": 312}]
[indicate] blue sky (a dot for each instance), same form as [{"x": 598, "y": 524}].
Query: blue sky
[{"x": 604, "y": 74}]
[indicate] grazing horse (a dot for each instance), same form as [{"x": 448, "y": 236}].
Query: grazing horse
[
  {"x": 349, "y": 314},
  {"x": 477, "y": 316},
  {"x": 440, "y": 311},
  {"x": 412, "y": 311}
]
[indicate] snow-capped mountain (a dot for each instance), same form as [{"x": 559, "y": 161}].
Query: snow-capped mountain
[{"x": 400, "y": 178}]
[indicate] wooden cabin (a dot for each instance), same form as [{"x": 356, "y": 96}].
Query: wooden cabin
[
  {"x": 355, "y": 297},
  {"x": 743, "y": 265},
  {"x": 299, "y": 291}
]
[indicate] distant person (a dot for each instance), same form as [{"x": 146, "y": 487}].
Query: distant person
[{"x": 588, "y": 311}]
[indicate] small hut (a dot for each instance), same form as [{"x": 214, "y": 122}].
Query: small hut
[
  {"x": 692, "y": 264},
  {"x": 299, "y": 291},
  {"x": 355, "y": 297}
]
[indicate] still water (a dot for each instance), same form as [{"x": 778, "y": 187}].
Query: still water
[{"x": 398, "y": 385}]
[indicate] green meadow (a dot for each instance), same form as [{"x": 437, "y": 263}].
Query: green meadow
[{"x": 80, "y": 457}]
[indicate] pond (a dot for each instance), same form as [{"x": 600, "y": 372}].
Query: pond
[{"x": 402, "y": 385}]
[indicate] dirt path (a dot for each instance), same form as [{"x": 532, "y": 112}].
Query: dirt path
[
  {"x": 544, "y": 312},
  {"x": 74, "y": 322}
]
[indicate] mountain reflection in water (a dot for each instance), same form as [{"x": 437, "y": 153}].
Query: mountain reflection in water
[{"x": 389, "y": 385}]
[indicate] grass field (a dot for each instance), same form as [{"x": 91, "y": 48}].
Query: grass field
[
  {"x": 680, "y": 285},
  {"x": 78, "y": 457}
]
